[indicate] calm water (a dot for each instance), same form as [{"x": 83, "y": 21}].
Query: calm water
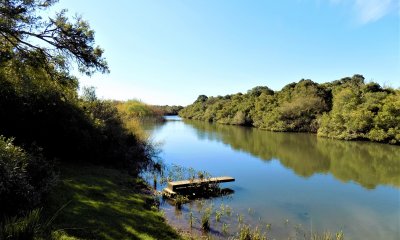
[{"x": 291, "y": 179}]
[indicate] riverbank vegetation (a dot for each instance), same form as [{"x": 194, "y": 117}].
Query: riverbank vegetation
[
  {"x": 168, "y": 110},
  {"x": 135, "y": 113},
  {"x": 70, "y": 164},
  {"x": 135, "y": 109},
  {"x": 45, "y": 124},
  {"x": 348, "y": 109}
]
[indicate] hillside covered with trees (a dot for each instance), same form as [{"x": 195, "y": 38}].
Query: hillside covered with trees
[{"x": 348, "y": 109}]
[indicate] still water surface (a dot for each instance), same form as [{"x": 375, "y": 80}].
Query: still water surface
[{"x": 291, "y": 179}]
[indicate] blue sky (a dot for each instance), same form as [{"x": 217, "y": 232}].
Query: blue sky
[{"x": 171, "y": 51}]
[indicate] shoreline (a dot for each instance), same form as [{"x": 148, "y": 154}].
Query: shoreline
[
  {"x": 104, "y": 203},
  {"x": 302, "y": 132}
]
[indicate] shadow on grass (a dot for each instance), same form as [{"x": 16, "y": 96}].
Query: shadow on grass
[{"x": 104, "y": 204}]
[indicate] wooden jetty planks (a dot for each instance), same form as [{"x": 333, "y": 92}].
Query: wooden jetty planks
[
  {"x": 173, "y": 186},
  {"x": 168, "y": 192}
]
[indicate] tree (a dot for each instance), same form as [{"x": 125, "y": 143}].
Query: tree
[
  {"x": 202, "y": 98},
  {"x": 257, "y": 91},
  {"x": 344, "y": 109},
  {"x": 51, "y": 43}
]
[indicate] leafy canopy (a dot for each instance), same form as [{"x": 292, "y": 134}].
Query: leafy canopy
[
  {"x": 345, "y": 109},
  {"x": 52, "y": 43}
]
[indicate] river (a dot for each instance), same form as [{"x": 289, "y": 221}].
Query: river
[{"x": 288, "y": 183}]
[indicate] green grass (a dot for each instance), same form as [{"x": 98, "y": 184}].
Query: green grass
[{"x": 103, "y": 204}]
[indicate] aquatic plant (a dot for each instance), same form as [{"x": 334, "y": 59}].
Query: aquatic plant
[
  {"x": 228, "y": 211},
  {"x": 240, "y": 218},
  {"x": 245, "y": 233},
  {"x": 286, "y": 221},
  {"x": 154, "y": 181},
  {"x": 200, "y": 175},
  {"x": 222, "y": 208},
  {"x": 250, "y": 211},
  {"x": 179, "y": 200},
  {"x": 340, "y": 235},
  {"x": 191, "y": 173},
  {"x": 191, "y": 218},
  {"x": 301, "y": 233},
  {"x": 218, "y": 215},
  {"x": 268, "y": 226},
  {"x": 205, "y": 219},
  {"x": 225, "y": 228},
  {"x": 327, "y": 236}
]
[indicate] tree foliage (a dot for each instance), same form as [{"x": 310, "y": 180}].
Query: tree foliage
[
  {"x": 52, "y": 42},
  {"x": 40, "y": 107},
  {"x": 137, "y": 109},
  {"x": 363, "y": 111},
  {"x": 35, "y": 108},
  {"x": 345, "y": 109}
]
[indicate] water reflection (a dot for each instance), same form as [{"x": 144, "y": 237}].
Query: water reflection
[
  {"x": 319, "y": 183},
  {"x": 368, "y": 164}
]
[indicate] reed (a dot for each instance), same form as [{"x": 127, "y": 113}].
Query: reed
[
  {"x": 225, "y": 228},
  {"x": 205, "y": 219},
  {"x": 228, "y": 211},
  {"x": 179, "y": 201},
  {"x": 191, "y": 219},
  {"x": 218, "y": 215},
  {"x": 246, "y": 233},
  {"x": 240, "y": 218}
]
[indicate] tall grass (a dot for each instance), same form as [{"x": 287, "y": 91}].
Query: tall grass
[
  {"x": 246, "y": 233},
  {"x": 179, "y": 200},
  {"x": 327, "y": 236},
  {"x": 205, "y": 219},
  {"x": 21, "y": 228}
]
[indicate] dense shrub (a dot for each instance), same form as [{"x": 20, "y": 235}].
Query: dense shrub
[
  {"x": 137, "y": 109},
  {"x": 295, "y": 108},
  {"x": 362, "y": 111},
  {"x": 36, "y": 107},
  {"x": 116, "y": 144},
  {"x": 24, "y": 178}
]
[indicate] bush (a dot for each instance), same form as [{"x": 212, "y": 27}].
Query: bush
[
  {"x": 111, "y": 143},
  {"x": 24, "y": 178},
  {"x": 35, "y": 107}
]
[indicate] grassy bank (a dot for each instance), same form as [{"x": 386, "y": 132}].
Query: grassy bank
[{"x": 104, "y": 204}]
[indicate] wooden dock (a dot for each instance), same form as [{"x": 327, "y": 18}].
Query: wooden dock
[{"x": 184, "y": 185}]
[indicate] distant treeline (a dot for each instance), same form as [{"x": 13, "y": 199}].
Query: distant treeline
[
  {"x": 138, "y": 109},
  {"x": 135, "y": 111},
  {"x": 347, "y": 109},
  {"x": 167, "y": 110}
]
